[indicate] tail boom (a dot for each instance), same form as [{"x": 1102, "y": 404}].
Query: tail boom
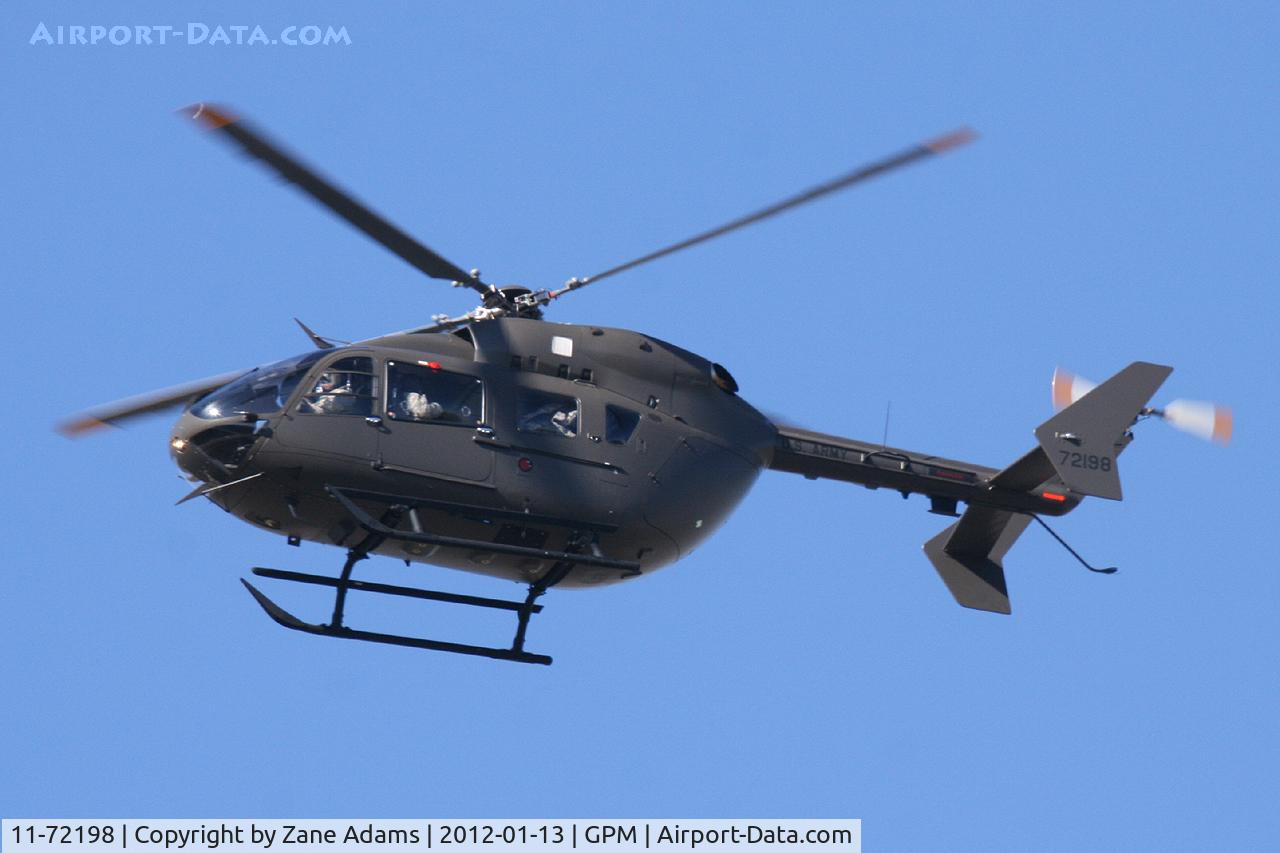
[
  {"x": 945, "y": 482},
  {"x": 1076, "y": 456}
]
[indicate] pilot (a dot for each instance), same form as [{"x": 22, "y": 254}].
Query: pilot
[{"x": 333, "y": 395}]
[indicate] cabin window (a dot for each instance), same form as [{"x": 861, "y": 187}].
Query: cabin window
[
  {"x": 551, "y": 414},
  {"x": 346, "y": 387},
  {"x": 619, "y": 424},
  {"x": 423, "y": 393},
  {"x": 260, "y": 391}
]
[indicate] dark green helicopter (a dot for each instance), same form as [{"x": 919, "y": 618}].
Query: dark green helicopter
[{"x": 574, "y": 455}]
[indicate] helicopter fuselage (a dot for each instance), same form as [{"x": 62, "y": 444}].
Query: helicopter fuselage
[{"x": 516, "y": 431}]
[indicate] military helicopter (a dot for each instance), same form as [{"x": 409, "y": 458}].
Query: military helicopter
[{"x": 562, "y": 455}]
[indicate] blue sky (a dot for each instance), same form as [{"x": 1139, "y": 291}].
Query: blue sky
[{"x": 806, "y": 661}]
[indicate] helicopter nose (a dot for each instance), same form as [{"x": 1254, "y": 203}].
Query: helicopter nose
[{"x": 213, "y": 451}]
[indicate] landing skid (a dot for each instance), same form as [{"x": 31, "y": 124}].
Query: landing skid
[
  {"x": 288, "y": 620},
  {"x": 379, "y": 531}
]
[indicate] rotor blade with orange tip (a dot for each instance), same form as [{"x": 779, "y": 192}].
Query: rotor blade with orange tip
[
  {"x": 112, "y": 414},
  {"x": 339, "y": 201},
  {"x": 1067, "y": 388},
  {"x": 926, "y": 149},
  {"x": 1208, "y": 421}
]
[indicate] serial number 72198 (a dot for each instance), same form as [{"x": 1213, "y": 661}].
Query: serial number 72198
[{"x": 1092, "y": 462}]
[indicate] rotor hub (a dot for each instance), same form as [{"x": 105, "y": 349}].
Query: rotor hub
[{"x": 519, "y": 301}]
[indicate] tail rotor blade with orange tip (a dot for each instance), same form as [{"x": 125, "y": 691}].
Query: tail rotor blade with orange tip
[
  {"x": 1208, "y": 421},
  {"x": 1067, "y": 388}
]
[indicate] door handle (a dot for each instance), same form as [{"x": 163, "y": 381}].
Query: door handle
[{"x": 373, "y": 420}]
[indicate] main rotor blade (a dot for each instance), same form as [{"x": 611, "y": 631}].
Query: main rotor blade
[
  {"x": 112, "y": 414},
  {"x": 863, "y": 173},
  {"x": 337, "y": 200}
]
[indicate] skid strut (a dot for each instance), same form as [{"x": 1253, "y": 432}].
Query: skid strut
[{"x": 379, "y": 531}]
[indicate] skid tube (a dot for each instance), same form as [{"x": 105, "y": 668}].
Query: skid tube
[{"x": 378, "y": 531}]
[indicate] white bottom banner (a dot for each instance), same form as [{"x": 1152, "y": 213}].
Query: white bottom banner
[{"x": 450, "y": 836}]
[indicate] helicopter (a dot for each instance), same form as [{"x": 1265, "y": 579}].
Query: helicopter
[{"x": 571, "y": 456}]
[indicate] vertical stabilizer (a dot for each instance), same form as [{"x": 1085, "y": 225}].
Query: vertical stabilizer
[
  {"x": 968, "y": 556},
  {"x": 1083, "y": 440}
]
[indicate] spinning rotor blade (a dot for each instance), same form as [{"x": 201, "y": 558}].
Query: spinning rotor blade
[
  {"x": 1067, "y": 388},
  {"x": 337, "y": 200},
  {"x": 112, "y": 414},
  {"x": 871, "y": 170},
  {"x": 1209, "y": 421}
]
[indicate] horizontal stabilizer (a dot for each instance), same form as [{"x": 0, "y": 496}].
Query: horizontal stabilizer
[
  {"x": 968, "y": 556},
  {"x": 1083, "y": 440}
]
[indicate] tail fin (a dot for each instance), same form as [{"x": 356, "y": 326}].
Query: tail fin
[
  {"x": 1079, "y": 445},
  {"x": 967, "y": 556},
  {"x": 1082, "y": 441}
]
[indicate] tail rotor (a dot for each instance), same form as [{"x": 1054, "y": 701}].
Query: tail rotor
[{"x": 1207, "y": 421}]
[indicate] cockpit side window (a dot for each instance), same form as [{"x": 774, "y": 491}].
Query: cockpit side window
[
  {"x": 261, "y": 391},
  {"x": 346, "y": 387},
  {"x": 552, "y": 414},
  {"x": 424, "y": 393},
  {"x": 619, "y": 424}
]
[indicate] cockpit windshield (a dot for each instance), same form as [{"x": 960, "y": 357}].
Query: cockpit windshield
[{"x": 261, "y": 391}]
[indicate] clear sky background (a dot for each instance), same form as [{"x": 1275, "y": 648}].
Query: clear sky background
[{"x": 1121, "y": 204}]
